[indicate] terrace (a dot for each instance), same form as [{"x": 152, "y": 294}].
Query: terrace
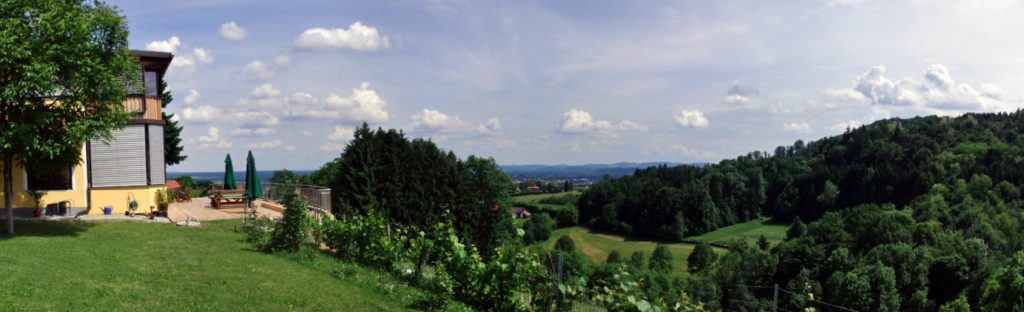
[{"x": 201, "y": 208}]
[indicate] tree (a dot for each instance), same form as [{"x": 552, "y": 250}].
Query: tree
[
  {"x": 1004, "y": 290},
  {"x": 614, "y": 257},
  {"x": 284, "y": 176},
  {"x": 701, "y": 259},
  {"x": 173, "y": 150},
  {"x": 565, "y": 244},
  {"x": 796, "y": 229},
  {"x": 60, "y": 83},
  {"x": 293, "y": 229},
  {"x": 637, "y": 259},
  {"x": 661, "y": 259},
  {"x": 829, "y": 196}
]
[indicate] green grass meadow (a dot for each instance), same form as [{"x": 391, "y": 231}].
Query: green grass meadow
[
  {"x": 596, "y": 246},
  {"x": 128, "y": 266}
]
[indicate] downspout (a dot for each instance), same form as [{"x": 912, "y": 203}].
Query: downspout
[{"x": 88, "y": 179}]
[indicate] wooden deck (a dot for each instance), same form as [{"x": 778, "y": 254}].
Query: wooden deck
[{"x": 200, "y": 209}]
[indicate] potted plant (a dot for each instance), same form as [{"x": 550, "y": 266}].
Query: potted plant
[
  {"x": 37, "y": 197},
  {"x": 162, "y": 197}
]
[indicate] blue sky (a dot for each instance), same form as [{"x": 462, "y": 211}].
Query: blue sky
[{"x": 569, "y": 82}]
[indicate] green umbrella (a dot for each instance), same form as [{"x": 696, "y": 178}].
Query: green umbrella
[
  {"x": 229, "y": 174},
  {"x": 253, "y": 189}
]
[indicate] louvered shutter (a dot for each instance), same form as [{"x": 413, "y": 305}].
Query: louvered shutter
[
  {"x": 156, "y": 155},
  {"x": 122, "y": 161}
]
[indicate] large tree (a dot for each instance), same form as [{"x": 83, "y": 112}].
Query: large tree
[
  {"x": 173, "y": 151},
  {"x": 61, "y": 64}
]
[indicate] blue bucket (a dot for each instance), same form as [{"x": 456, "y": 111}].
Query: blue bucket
[{"x": 108, "y": 210}]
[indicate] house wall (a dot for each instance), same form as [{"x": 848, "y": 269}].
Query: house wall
[
  {"x": 118, "y": 197},
  {"x": 22, "y": 200}
]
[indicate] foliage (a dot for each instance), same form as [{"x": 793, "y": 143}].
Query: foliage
[
  {"x": 796, "y": 229},
  {"x": 614, "y": 257},
  {"x": 565, "y": 244},
  {"x": 661, "y": 260},
  {"x": 293, "y": 232},
  {"x": 537, "y": 229},
  {"x": 61, "y": 64},
  {"x": 701, "y": 259},
  {"x": 173, "y": 149},
  {"x": 284, "y": 176},
  {"x": 1004, "y": 290}
]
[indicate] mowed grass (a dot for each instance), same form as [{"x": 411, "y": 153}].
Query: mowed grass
[
  {"x": 751, "y": 231},
  {"x": 75, "y": 266},
  {"x": 535, "y": 198},
  {"x": 596, "y": 246}
]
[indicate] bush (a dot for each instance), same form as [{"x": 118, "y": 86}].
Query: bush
[
  {"x": 701, "y": 259},
  {"x": 537, "y": 229},
  {"x": 614, "y": 257},
  {"x": 294, "y": 230},
  {"x": 565, "y": 244},
  {"x": 661, "y": 259}
]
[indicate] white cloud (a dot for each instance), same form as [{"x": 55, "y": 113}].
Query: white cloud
[
  {"x": 938, "y": 94},
  {"x": 736, "y": 100},
  {"x": 256, "y": 70},
  {"x": 254, "y": 119},
  {"x": 342, "y": 134},
  {"x": 169, "y": 45},
  {"x": 264, "y": 91},
  {"x": 265, "y": 144},
  {"x": 364, "y": 104},
  {"x": 577, "y": 121},
  {"x": 332, "y": 147},
  {"x": 691, "y": 119},
  {"x": 182, "y": 65},
  {"x": 201, "y": 113},
  {"x": 282, "y": 60},
  {"x": 232, "y": 31},
  {"x": 306, "y": 133},
  {"x": 253, "y": 131},
  {"x": 357, "y": 37},
  {"x": 212, "y": 139},
  {"x": 193, "y": 96},
  {"x": 429, "y": 120},
  {"x": 850, "y": 124},
  {"x": 799, "y": 127},
  {"x": 203, "y": 55}
]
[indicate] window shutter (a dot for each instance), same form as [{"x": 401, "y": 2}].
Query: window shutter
[
  {"x": 156, "y": 155},
  {"x": 122, "y": 162}
]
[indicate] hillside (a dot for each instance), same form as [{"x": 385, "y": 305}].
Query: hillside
[{"x": 905, "y": 214}]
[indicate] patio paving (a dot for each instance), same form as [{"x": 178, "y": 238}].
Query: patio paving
[{"x": 201, "y": 210}]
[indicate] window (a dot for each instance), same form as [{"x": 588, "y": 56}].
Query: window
[
  {"x": 52, "y": 181},
  {"x": 152, "y": 83}
]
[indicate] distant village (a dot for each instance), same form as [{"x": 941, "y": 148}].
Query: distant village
[{"x": 537, "y": 186}]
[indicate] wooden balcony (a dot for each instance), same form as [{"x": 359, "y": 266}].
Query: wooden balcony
[{"x": 145, "y": 108}]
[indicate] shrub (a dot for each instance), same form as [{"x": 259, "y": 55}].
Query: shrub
[
  {"x": 565, "y": 244},
  {"x": 293, "y": 230},
  {"x": 614, "y": 257},
  {"x": 636, "y": 260},
  {"x": 701, "y": 259},
  {"x": 661, "y": 259},
  {"x": 537, "y": 229}
]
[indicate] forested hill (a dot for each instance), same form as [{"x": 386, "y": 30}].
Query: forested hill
[{"x": 890, "y": 161}]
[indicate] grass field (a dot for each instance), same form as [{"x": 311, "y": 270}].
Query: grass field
[
  {"x": 535, "y": 198},
  {"x": 597, "y": 246},
  {"x": 751, "y": 231},
  {"x": 62, "y": 266}
]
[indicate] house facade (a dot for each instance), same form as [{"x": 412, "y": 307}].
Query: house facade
[{"x": 130, "y": 167}]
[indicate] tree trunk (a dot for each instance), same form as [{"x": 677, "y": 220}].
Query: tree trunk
[{"x": 9, "y": 191}]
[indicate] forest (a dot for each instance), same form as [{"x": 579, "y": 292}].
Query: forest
[{"x": 903, "y": 214}]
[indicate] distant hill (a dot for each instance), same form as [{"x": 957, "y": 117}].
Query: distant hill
[
  {"x": 588, "y": 171},
  {"x": 219, "y": 175}
]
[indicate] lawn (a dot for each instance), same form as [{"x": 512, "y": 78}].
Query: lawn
[
  {"x": 61, "y": 266},
  {"x": 597, "y": 246},
  {"x": 751, "y": 231},
  {"x": 535, "y": 198}
]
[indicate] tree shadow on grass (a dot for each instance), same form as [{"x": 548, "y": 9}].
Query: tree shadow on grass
[{"x": 46, "y": 228}]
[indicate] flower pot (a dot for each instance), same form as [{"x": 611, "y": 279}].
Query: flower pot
[
  {"x": 37, "y": 213},
  {"x": 108, "y": 210}
]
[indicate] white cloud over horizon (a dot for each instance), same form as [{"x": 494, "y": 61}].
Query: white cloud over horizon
[{"x": 529, "y": 82}]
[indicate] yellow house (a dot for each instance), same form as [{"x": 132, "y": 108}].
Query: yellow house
[{"x": 130, "y": 167}]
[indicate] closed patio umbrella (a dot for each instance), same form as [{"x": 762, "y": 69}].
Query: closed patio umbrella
[
  {"x": 253, "y": 189},
  {"x": 229, "y": 174}
]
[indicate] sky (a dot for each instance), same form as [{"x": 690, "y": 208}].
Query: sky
[{"x": 567, "y": 82}]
